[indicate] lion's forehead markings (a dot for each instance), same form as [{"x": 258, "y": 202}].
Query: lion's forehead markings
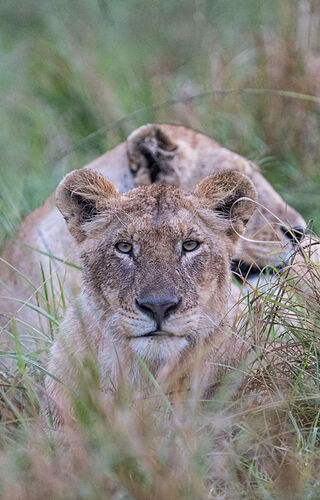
[
  {"x": 164, "y": 207},
  {"x": 160, "y": 201},
  {"x": 158, "y": 209}
]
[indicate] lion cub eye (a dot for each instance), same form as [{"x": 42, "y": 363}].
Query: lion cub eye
[
  {"x": 190, "y": 245},
  {"x": 123, "y": 247}
]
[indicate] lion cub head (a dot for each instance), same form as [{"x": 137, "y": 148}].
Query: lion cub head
[{"x": 156, "y": 260}]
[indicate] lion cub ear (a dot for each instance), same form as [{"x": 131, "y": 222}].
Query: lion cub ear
[
  {"x": 232, "y": 196},
  {"x": 80, "y": 196}
]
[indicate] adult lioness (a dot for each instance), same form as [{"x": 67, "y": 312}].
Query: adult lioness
[
  {"x": 156, "y": 276},
  {"x": 153, "y": 153}
]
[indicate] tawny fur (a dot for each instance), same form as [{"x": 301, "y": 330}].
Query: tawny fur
[
  {"x": 156, "y": 220},
  {"x": 171, "y": 154}
]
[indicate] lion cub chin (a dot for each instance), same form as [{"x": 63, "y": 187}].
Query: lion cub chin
[{"x": 156, "y": 279}]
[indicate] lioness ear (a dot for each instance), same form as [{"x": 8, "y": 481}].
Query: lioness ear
[
  {"x": 80, "y": 196},
  {"x": 231, "y": 195},
  {"x": 147, "y": 147}
]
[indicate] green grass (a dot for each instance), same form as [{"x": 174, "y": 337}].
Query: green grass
[
  {"x": 68, "y": 79},
  {"x": 258, "y": 437},
  {"x": 76, "y": 78}
]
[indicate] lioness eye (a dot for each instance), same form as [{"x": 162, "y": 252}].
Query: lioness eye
[
  {"x": 189, "y": 246},
  {"x": 123, "y": 247}
]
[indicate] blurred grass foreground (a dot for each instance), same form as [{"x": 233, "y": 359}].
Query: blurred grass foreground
[{"x": 76, "y": 78}]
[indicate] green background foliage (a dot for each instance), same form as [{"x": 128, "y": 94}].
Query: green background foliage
[{"x": 77, "y": 76}]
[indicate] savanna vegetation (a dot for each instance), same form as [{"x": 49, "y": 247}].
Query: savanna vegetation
[{"x": 76, "y": 78}]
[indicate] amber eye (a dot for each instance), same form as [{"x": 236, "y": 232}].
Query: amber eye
[
  {"x": 190, "y": 245},
  {"x": 123, "y": 247}
]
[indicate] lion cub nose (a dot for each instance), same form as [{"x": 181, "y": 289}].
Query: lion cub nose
[{"x": 158, "y": 307}]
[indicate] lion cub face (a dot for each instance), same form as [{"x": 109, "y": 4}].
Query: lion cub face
[{"x": 156, "y": 261}]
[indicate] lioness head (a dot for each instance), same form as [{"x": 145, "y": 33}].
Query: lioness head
[{"x": 156, "y": 260}]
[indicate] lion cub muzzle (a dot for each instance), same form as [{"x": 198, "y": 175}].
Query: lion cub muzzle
[{"x": 159, "y": 307}]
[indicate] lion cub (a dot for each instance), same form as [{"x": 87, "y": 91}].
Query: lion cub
[{"x": 156, "y": 277}]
